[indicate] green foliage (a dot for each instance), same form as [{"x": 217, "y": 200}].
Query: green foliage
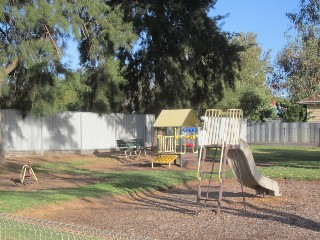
[
  {"x": 299, "y": 67},
  {"x": 37, "y": 91},
  {"x": 255, "y": 108},
  {"x": 103, "y": 94},
  {"x": 250, "y": 92},
  {"x": 230, "y": 100},
  {"x": 36, "y": 32},
  {"x": 299, "y": 62},
  {"x": 249, "y": 103},
  {"x": 182, "y": 59},
  {"x": 293, "y": 112},
  {"x": 308, "y": 16},
  {"x": 254, "y": 65}
]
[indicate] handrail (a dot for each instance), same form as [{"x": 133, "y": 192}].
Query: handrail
[{"x": 168, "y": 144}]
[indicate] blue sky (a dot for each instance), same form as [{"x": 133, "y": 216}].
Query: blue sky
[{"x": 266, "y": 18}]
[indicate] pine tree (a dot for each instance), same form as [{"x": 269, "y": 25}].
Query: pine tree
[
  {"x": 33, "y": 37},
  {"x": 182, "y": 60}
]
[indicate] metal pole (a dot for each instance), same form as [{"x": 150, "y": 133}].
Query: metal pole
[
  {"x": 41, "y": 132},
  {"x": 225, "y": 151},
  {"x": 81, "y": 134}
]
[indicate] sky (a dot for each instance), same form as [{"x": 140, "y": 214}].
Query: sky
[{"x": 266, "y": 18}]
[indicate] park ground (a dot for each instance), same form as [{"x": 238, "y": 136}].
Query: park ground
[{"x": 169, "y": 213}]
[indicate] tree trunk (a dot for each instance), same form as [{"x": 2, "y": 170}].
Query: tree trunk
[
  {"x": 6, "y": 71},
  {"x": 2, "y": 159}
]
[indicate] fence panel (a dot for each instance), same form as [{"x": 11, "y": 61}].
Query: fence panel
[
  {"x": 18, "y": 133},
  {"x": 307, "y": 134},
  {"x": 72, "y": 131},
  {"x": 61, "y": 132},
  {"x": 78, "y": 131},
  {"x": 98, "y": 132}
]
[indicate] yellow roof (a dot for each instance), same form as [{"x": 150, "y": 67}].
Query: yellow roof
[{"x": 177, "y": 118}]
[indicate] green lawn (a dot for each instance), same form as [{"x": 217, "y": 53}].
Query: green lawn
[
  {"x": 111, "y": 183},
  {"x": 300, "y": 163},
  {"x": 274, "y": 162},
  {"x": 300, "y": 157}
]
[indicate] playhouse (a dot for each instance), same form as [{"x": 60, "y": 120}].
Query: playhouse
[{"x": 177, "y": 137}]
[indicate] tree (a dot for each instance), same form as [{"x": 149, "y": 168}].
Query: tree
[
  {"x": 33, "y": 37},
  {"x": 299, "y": 69},
  {"x": 250, "y": 92},
  {"x": 293, "y": 112},
  {"x": 307, "y": 18},
  {"x": 182, "y": 58},
  {"x": 299, "y": 62},
  {"x": 98, "y": 58}
]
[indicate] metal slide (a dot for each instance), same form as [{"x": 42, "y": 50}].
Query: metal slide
[{"x": 245, "y": 170}]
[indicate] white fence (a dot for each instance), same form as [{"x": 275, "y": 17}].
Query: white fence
[
  {"x": 275, "y": 133},
  {"x": 72, "y": 131},
  {"x": 86, "y": 132}
]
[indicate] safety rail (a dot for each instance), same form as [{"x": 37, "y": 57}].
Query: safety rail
[{"x": 169, "y": 144}]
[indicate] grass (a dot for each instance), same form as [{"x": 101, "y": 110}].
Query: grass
[
  {"x": 278, "y": 172},
  {"x": 286, "y": 162},
  {"x": 111, "y": 184},
  {"x": 300, "y": 163},
  {"x": 298, "y": 157},
  {"x": 13, "y": 229}
]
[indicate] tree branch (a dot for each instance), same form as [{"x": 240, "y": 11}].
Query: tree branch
[
  {"x": 1, "y": 30},
  {"x": 11, "y": 66}
]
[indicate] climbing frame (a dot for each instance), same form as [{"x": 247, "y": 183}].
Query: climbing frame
[{"x": 218, "y": 132}]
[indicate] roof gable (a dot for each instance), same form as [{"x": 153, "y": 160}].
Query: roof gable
[
  {"x": 177, "y": 118},
  {"x": 310, "y": 100}
]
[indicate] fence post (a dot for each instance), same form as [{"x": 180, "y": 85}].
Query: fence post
[
  {"x": 81, "y": 133},
  {"x": 41, "y": 137}
]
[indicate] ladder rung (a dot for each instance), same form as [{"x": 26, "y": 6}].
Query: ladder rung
[
  {"x": 206, "y": 199},
  {"x": 210, "y": 172},
  {"x": 204, "y": 194},
  {"x": 207, "y": 186}
]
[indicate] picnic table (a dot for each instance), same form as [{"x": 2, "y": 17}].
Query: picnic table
[{"x": 128, "y": 145}]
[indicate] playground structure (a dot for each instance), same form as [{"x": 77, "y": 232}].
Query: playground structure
[
  {"x": 26, "y": 174},
  {"x": 223, "y": 131},
  {"x": 180, "y": 141}
]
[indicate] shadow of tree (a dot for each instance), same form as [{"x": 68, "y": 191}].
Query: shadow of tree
[
  {"x": 184, "y": 201},
  {"x": 275, "y": 215},
  {"x": 72, "y": 130}
]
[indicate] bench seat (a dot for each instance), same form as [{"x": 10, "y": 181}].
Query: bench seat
[{"x": 129, "y": 145}]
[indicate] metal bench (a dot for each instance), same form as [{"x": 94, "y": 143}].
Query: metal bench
[{"x": 129, "y": 145}]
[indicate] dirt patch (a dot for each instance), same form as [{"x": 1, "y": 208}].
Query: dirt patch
[
  {"x": 11, "y": 170},
  {"x": 170, "y": 214}
]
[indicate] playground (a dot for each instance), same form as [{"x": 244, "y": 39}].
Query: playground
[
  {"x": 163, "y": 194},
  {"x": 169, "y": 213}
]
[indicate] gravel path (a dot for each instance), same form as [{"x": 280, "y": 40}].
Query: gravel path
[{"x": 170, "y": 214}]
